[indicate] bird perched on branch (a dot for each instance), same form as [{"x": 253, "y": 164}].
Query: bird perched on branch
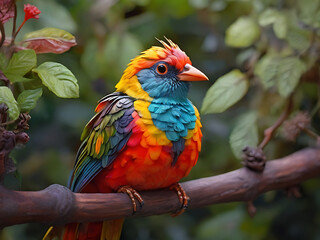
[{"x": 144, "y": 136}]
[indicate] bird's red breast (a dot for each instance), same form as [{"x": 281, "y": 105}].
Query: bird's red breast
[{"x": 146, "y": 161}]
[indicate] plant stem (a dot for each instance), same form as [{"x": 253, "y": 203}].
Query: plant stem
[
  {"x": 311, "y": 133},
  {"x": 7, "y": 123},
  {"x": 317, "y": 107},
  {"x": 14, "y": 24},
  {"x": 14, "y": 36},
  {"x": 268, "y": 133},
  {"x": 3, "y": 34}
]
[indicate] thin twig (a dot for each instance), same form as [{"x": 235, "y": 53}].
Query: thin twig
[
  {"x": 14, "y": 24},
  {"x": 317, "y": 106},
  {"x": 7, "y": 123},
  {"x": 3, "y": 34},
  {"x": 310, "y": 133},
  {"x": 14, "y": 20},
  {"x": 268, "y": 133}
]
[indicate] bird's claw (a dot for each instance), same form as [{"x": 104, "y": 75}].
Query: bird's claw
[
  {"x": 183, "y": 198},
  {"x": 133, "y": 194}
]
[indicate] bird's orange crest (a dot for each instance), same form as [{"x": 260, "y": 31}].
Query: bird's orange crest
[{"x": 170, "y": 53}]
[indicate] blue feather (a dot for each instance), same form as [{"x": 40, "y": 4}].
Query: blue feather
[
  {"x": 173, "y": 136},
  {"x": 177, "y": 149},
  {"x": 167, "y": 86},
  {"x": 85, "y": 172},
  {"x": 179, "y": 127},
  {"x": 176, "y": 120}
]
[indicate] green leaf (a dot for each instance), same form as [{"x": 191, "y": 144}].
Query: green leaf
[
  {"x": 225, "y": 92},
  {"x": 242, "y": 33},
  {"x": 58, "y": 79},
  {"x": 21, "y": 63},
  {"x": 49, "y": 40},
  {"x": 3, "y": 61},
  {"x": 27, "y": 100},
  {"x": 7, "y": 97},
  {"x": 280, "y": 26},
  {"x": 245, "y": 133},
  {"x": 17, "y": 78},
  {"x": 298, "y": 38},
  {"x": 285, "y": 72},
  {"x": 266, "y": 70},
  {"x": 50, "y": 33},
  {"x": 289, "y": 72},
  {"x": 123, "y": 47},
  {"x": 278, "y": 19},
  {"x": 309, "y": 12},
  {"x": 268, "y": 17},
  {"x": 98, "y": 62}
]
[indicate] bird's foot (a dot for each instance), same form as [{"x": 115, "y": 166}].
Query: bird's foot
[
  {"x": 183, "y": 198},
  {"x": 133, "y": 194}
]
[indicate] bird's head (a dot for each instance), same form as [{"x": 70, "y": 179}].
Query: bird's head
[{"x": 159, "y": 72}]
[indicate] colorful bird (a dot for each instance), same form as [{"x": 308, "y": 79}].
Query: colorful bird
[{"x": 144, "y": 136}]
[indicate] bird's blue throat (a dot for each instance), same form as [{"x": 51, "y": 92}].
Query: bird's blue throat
[
  {"x": 170, "y": 110},
  {"x": 174, "y": 118}
]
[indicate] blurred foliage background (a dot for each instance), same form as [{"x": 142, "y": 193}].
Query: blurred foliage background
[{"x": 111, "y": 32}]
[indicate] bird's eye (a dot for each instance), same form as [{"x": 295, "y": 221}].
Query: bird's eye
[{"x": 162, "y": 69}]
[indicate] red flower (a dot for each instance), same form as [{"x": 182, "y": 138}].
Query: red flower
[{"x": 31, "y": 12}]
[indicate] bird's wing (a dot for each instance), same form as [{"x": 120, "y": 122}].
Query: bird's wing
[{"x": 105, "y": 135}]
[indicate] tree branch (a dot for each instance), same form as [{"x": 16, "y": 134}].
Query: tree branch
[{"x": 58, "y": 205}]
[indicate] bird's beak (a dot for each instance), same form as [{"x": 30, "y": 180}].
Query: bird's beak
[{"x": 190, "y": 73}]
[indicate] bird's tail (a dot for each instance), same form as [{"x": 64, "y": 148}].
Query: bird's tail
[
  {"x": 53, "y": 233},
  {"x": 111, "y": 230},
  {"x": 107, "y": 230}
]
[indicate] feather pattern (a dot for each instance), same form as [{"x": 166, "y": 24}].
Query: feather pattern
[
  {"x": 174, "y": 118},
  {"x": 109, "y": 133}
]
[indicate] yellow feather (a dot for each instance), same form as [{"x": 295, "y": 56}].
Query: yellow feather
[
  {"x": 155, "y": 152},
  {"x": 142, "y": 108},
  {"x": 153, "y": 130},
  {"x": 111, "y": 230},
  {"x": 130, "y": 85},
  {"x": 143, "y": 143},
  {"x": 90, "y": 144},
  {"x": 151, "y": 140},
  {"x": 162, "y": 139}
]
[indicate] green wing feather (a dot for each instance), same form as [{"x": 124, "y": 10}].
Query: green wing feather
[{"x": 103, "y": 138}]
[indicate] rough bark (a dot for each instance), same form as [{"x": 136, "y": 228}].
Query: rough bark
[{"x": 58, "y": 205}]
